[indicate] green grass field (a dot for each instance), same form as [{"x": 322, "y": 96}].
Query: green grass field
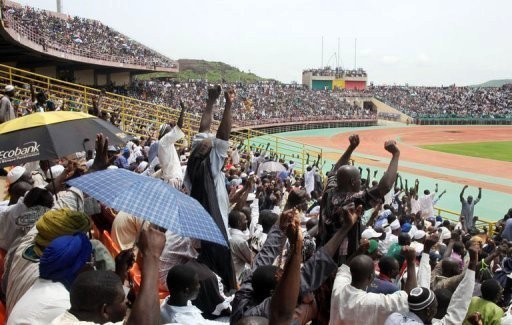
[{"x": 501, "y": 150}]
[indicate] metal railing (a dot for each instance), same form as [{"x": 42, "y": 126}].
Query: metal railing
[
  {"x": 140, "y": 118},
  {"x": 454, "y": 216}
]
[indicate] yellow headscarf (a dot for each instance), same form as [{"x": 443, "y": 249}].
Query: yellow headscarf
[{"x": 56, "y": 223}]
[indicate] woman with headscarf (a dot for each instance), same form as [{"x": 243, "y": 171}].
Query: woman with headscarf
[
  {"x": 23, "y": 270},
  {"x": 60, "y": 264}
]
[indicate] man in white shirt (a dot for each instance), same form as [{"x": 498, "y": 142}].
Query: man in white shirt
[
  {"x": 183, "y": 283},
  {"x": 350, "y": 303},
  {"x": 309, "y": 179},
  {"x": 239, "y": 243},
  {"x": 423, "y": 303},
  {"x": 170, "y": 164}
]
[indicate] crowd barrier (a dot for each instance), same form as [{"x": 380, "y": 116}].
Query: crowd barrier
[
  {"x": 463, "y": 121},
  {"x": 454, "y": 217}
]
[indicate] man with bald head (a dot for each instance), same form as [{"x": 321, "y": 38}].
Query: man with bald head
[
  {"x": 344, "y": 187},
  {"x": 447, "y": 274}
]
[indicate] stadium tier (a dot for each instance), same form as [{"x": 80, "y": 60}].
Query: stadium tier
[
  {"x": 34, "y": 35},
  {"x": 332, "y": 79}
]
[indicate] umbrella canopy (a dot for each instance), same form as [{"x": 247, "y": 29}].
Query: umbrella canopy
[
  {"x": 271, "y": 166},
  {"x": 151, "y": 199},
  {"x": 52, "y": 135}
]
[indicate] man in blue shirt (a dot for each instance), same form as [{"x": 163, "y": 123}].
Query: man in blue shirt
[{"x": 383, "y": 283}]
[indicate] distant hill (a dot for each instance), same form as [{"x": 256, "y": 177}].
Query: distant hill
[
  {"x": 201, "y": 69},
  {"x": 494, "y": 83}
]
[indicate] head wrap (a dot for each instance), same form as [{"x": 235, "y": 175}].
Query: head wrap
[
  {"x": 15, "y": 174},
  {"x": 9, "y": 88},
  {"x": 419, "y": 234},
  {"x": 406, "y": 227},
  {"x": 373, "y": 246},
  {"x": 420, "y": 298},
  {"x": 64, "y": 258},
  {"x": 56, "y": 223}
]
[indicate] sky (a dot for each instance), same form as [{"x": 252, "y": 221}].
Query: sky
[{"x": 430, "y": 43}]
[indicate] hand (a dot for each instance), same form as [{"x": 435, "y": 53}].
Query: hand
[
  {"x": 466, "y": 186},
  {"x": 354, "y": 140},
  {"x": 480, "y": 189},
  {"x": 350, "y": 214},
  {"x": 124, "y": 261},
  {"x": 473, "y": 252},
  {"x": 101, "y": 161},
  {"x": 230, "y": 96},
  {"x": 409, "y": 253},
  {"x": 151, "y": 242},
  {"x": 444, "y": 192},
  {"x": 214, "y": 93},
  {"x": 289, "y": 223},
  {"x": 391, "y": 147},
  {"x": 475, "y": 318},
  {"x": 182, "y": 105},
  {"x": 367, "y": 169},
  {"x": 364, "y": 244},
  {"x": 430, "y": 241}
]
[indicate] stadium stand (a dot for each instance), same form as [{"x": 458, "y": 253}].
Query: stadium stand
[
  {"x": 261, "y": 103},
  {"x": 448, "y": 102},
  {"x": 80, "y": 36}
]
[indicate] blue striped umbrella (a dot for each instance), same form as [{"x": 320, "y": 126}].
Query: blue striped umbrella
[{"x": 151, "y": 199}]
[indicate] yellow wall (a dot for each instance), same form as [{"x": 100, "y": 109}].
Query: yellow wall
[{"x": 338, "y": 83}]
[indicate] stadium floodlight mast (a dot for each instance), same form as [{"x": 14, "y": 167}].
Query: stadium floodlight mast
[{"x": 59, "y": 6}]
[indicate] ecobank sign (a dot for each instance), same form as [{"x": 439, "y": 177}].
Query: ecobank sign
[{"x": 27, "y": 150}]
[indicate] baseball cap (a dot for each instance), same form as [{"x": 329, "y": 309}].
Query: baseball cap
[{"x": 370, "y": 233}]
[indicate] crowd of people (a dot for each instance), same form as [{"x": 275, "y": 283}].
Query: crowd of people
[
  {"x": 261, "y": 102},
  {"x": 448, "y": 102},
  {"x": 80, "y": 36},
  {"x": 331, "y": 245}
]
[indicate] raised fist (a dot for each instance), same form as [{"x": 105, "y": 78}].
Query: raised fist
[
  {"x": 214, "y": 93},
  {"x": 391, "y": 147},
  {"x": 230, "y": 96},
  {"x": 354, "y": 140}
]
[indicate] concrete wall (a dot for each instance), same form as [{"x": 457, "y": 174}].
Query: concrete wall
[
  {"x": 120, "y": 78},
  {"x": 383, "y": 107},
  {"x": 50, "y": 71},
  {"x": 84, "y": 77},
  {"x": 101, "y": 79}
]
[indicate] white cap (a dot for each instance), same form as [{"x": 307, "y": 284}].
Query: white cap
[
  {"x": 143, "y": 165},
  {"x": 89, "y": 163},
  {"x": 370, "y": 233},
  {"x": 56, "y": 170},
  {"x": 419, "y": 234},
  {"x": 15, "y": 174},
  {"x": 395, "y": 225},
  {"x": 9, "y": 88},
  {"x": 112, "y": 167},
  {"x": 445, "y": 233},
  {"x": 251, "y": 197}
]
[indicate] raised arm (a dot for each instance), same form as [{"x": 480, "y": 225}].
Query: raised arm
[
  {"x": 410, "y": 256},
  {"x": 462, "y": 193},
  {"x": 227, "y": 119},
  {"x": 479, "y": 197},
  {"x": 182, "y": 115},
  {"x": 344, "y": 159},
  {"x": 146, "y": 309},
  {"x": 386, "y": 182},
  {"x": 207, "y": 117},
  {"x": 350, "y": 217},
  {"x": 283, "y": 302}
]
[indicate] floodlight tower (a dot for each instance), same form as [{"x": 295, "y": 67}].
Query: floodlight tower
[{"x": 59, "y": 6}]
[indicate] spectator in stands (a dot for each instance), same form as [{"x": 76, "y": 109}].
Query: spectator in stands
[
  {"x": 98, "y": 296},
  {"x": 468, "y": 207},
  {"x": 7, "y": 112}
]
